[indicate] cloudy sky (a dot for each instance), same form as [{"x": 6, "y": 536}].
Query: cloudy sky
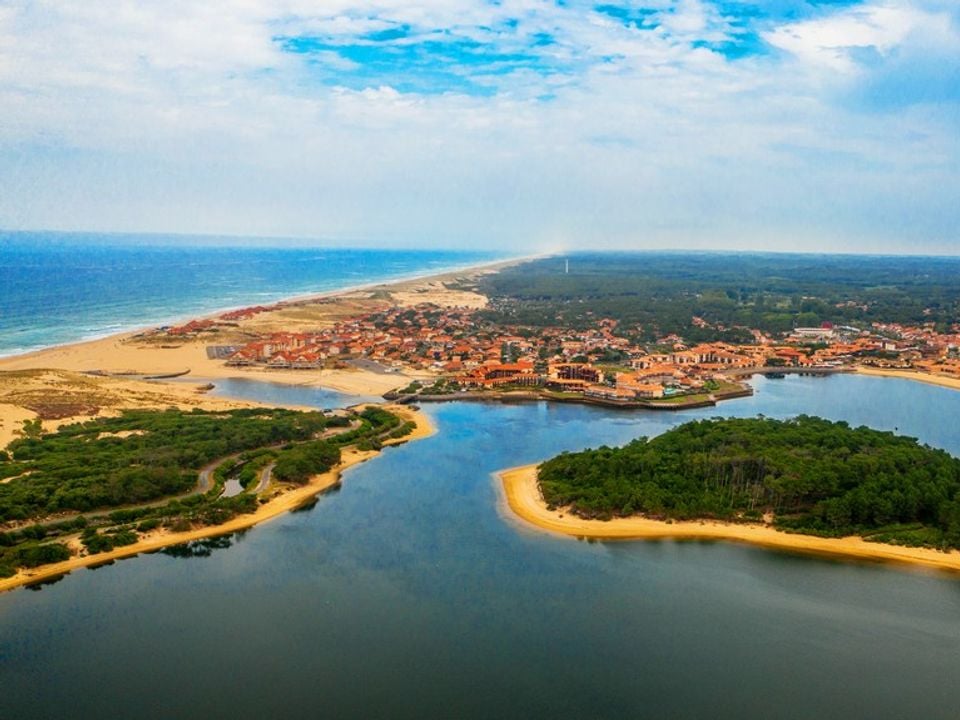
[{"x": 527, "y": 125}]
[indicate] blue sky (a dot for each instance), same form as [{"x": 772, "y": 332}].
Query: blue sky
[{"x": 535, "y": 125}]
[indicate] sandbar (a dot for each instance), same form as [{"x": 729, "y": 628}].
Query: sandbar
[{"x": 522, "y": 500}]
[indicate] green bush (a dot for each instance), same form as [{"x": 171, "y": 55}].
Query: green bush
[
  {"x": 86, "y": 466},
  {"x": 36, "y": 555},
  {"x": 301, "y": 462},
  {"x": 816, "y": 476}
]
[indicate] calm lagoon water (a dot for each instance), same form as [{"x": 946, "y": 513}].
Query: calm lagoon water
[
  {"x": 409, "y": 594},
  {"x": 280, "y": 394}
]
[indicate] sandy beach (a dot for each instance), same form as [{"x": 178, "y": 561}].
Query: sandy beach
[
  {"x": 929, "y": 378},
  {"x": 522, "y": 500},
  {"x": 55, "y": 383},
  {"x": 279, "y": 504},
  {"x": 79, "y": 381},
  {"x": 121, "y": 354}
]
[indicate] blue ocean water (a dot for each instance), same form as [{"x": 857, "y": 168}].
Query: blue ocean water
[{"x": 62, "y": 288}]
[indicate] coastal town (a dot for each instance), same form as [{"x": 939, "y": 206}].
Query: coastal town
[{"x": 456, "y": 350}]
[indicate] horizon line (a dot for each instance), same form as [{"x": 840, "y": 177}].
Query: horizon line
[{"x": 313, "y": 242}]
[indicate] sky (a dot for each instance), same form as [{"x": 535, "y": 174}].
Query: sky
[{"x": 528, "y": 126}]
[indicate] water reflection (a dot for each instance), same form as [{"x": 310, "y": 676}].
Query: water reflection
[
  {"x": 46, "y": 582},
  {"x": 199, "y": 548},
  {"x": 412, "y": 585}
]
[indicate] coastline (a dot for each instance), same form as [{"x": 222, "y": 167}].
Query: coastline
[
  {"x": 915, "y": 375},
  {"x": 521, "y": 498},
  {"x": 274, "y": 507},
  {"x": 125, "y": 363},
  {"x": 205, "y": 314},
  {"x": 114, "y": 354},
  {"x": 18, "y": 358}
]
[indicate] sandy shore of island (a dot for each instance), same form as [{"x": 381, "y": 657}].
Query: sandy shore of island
[
  {"x": 278, "y": 504},
  {"x": 522, "y": 499},
  {"x": 924, "y": 377}
]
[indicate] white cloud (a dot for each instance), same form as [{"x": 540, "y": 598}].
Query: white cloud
[
  {"x": 185, "y": 116},
  {"x": 833, "y": 41}
]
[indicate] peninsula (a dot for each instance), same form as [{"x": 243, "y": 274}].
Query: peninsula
[{"x": 278, "y": 460}]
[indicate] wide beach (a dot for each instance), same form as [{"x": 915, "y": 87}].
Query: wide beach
[
  {"x": 924, "y": 377},
  {"x": 121, "y": 363},
  {"x": 523, "y": 501},
  {"x": 79, "y": 381}
]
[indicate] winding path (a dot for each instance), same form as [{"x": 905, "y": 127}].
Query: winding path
[{"x": 265, "y": 475}]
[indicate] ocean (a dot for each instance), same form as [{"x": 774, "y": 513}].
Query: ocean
[{"x": 57, "y": 289}]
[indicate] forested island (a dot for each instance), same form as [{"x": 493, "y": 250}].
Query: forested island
[
  {"x": 93, "y": 486},
  {"x": 805, "y": 475}
]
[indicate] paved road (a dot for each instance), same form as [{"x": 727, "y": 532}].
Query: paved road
[
  {"x": 264, "y": 478},
  {"x": 205, "y": 476}
]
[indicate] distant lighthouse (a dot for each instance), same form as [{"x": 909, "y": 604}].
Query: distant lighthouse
[{"x": 566, "y": 267}]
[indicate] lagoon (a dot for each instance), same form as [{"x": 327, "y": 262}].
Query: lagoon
[{"x": 409, "y": 593}]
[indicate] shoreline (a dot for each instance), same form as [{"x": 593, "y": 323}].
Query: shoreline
[
  {"x": 119, "y": 355},
  {"x": 273, "y": 508},
  {"x": 520, "y": 497},
  {"x": 21, "y": 354},
  {"x": 522, "y": 396},
  {"x": 915, "y": 375}
]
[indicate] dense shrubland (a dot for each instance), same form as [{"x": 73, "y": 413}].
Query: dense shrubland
[
  {"x": 120, "y": 472},
  {"x": 137, "y": 457},
  {"x": 815, "y": 476}
]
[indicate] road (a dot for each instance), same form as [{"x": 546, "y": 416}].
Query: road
[
  {"x": 264, "y": 478},
  {"x": 205, "y": 481}
]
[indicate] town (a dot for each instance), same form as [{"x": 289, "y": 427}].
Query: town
[{"x": 457, "y": 351}]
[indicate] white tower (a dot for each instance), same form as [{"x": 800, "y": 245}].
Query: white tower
[{"x": 566, "y": 270}]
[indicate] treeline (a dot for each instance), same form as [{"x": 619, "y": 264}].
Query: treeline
[
  {"x": 92, "y": 459},
  {"x": 134, "y": 458},
  {"x": 815, "y": 476},
  {"x": 661, "y": 292},
  {"x": 299, "y": 463}
]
